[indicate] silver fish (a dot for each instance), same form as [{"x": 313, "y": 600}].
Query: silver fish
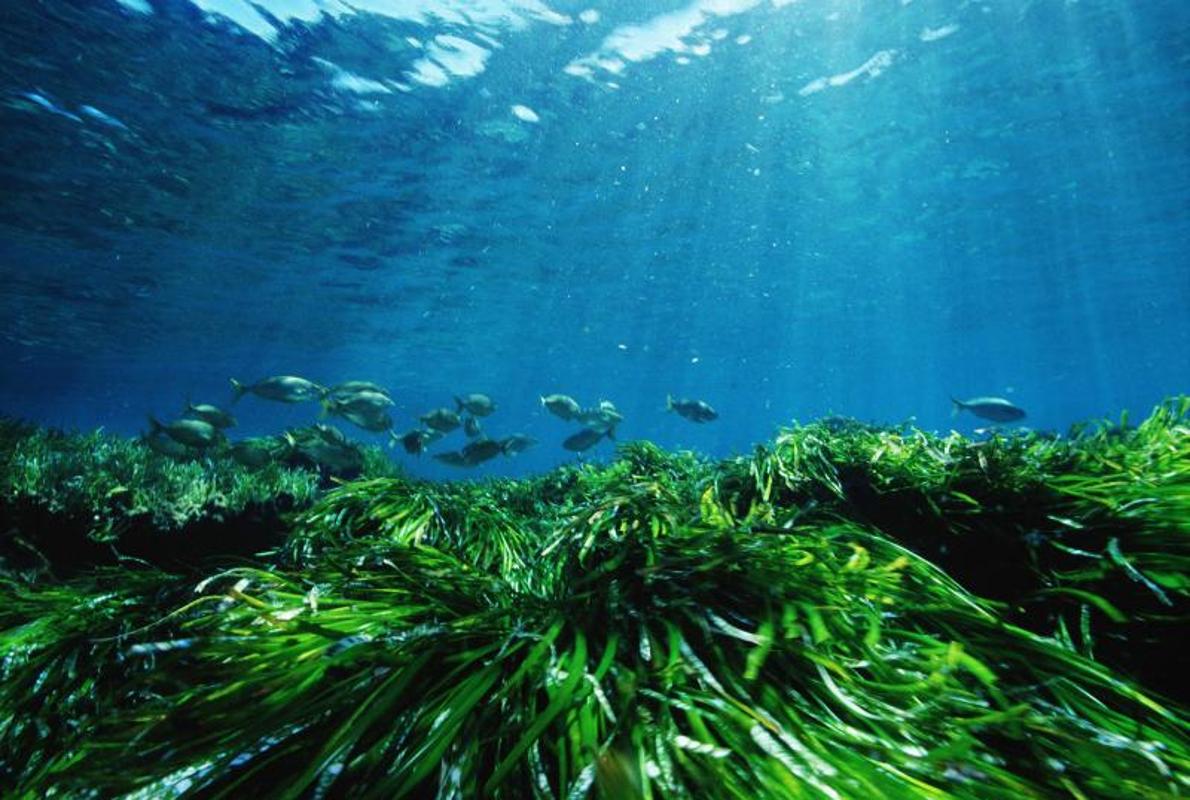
[
  {"x": 377, "y": 422},
  {"x": 562, "y": 406},
  {"x": 327, "y": 447},
  {"x": 693, "y": 410},
  {"x": 603, "y": 418},
  {"x": 517, "y": 443},
  {"x": 417, "y": 440},
  {"x": 256, "y": 452},
  {"x": 282, "y": 388},
  {"x": 190, "y": 432},
  {"x": 366, "y": 409},
  {"x": 996, "y": 409},
  {"x": 441, "y": 419},
  {"x": 471, "y": 427},
  {"x": 452, "y": 459},
  {"x": 481, "y": 450},
  {"x": 212, "y": 415},
  {"x": 364, "y": 402},
  {"x": 585, "y": 440},
  {"x": 478, "y": 405},
  {"x": 161, "y": 444},
  {"x": 353, "y": 387}
]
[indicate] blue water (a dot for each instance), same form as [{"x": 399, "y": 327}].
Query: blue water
[{"x": 787, "y": 209}]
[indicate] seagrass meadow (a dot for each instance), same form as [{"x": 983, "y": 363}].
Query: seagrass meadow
[{"x": 848, "y": 612}]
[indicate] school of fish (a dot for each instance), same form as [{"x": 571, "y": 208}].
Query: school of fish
[{"x": 369, "y": 406}]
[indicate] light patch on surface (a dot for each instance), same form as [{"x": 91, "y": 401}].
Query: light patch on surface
[
  {"x": 449, "y": 57},
  {"x": 427, "y": 73},
  {"x": 107, "y": 119},
  {"x": 350, "y": 82},
  {"x": 303, "y": 10},
  {"x": 139, "y": 6},
  {"x": 491, "y": 15},
  {"x": 45, "y": 104},
  {"x": 934, "y": 34},
  {"x": 871, "y": 68},
  {"x": 665, "y": 33},
  {"x": 590, "y": 16},
  {"x": 525, "y": 113},
  {"x": 743, "y": 39},
  {"x": 242, "y": 14}
]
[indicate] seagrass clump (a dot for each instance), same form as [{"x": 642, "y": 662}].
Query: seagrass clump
[{"x": 800, "y": 623}]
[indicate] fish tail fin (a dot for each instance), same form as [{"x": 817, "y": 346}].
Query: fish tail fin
[
  {"x": 459, "y": 404},
  {"x": 956, "y": 407},
  {"x": 326, "y": 408},
  {"x": 611, "y": 433},
  {"x": 238, "y": 389},
  {"x": 669, "y": 402},
  {"x": 155, "y": 427}
]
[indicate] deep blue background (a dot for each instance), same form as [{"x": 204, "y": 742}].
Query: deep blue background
[{"x": 1000, "y": 210}]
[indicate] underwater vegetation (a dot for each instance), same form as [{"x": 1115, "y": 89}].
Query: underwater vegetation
[
  {"x": 71, "y": 501},
  {"x": 850, "y": 611}
]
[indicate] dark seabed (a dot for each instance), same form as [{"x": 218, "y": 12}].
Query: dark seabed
[{"x": 704, "y": 220}]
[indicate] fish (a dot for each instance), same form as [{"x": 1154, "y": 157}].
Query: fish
[
  {"x": 452, "y": 458},
  {"x": 585, "y": 439},
  {"x": 212, "y": 415},
  {"x": 441, "y": 419},
  {"x": 190, "y": 432},
  {"x": 282, "y": 388},
  {"x": 417, "y": 440},
  {"x": 471, "y": 427},
  {"x": 996, "y": 409},
  {"x": 365, "y": 409},
  {"x": 562, "y": 406},
  {"x": 334, "y": 458},
  {"x": 161, "y": 444},
  {"x": 326, "y": 447},
  {"x": 481, "y": 450},
  {"x": 410, "y": 440},
  {"x": 516, "y": 443},
  {"x": 369, "y": 421},
  {"x": 603, "y": 418},
  {"x": 328, "y": 433},
  {"x": 353, "y": 387},
  {"x": 693, "y": 410},
  {"x": 256, "y": 452},
  {"x": 478, "y": 405},
  {"x": 365, "y": 401}
]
